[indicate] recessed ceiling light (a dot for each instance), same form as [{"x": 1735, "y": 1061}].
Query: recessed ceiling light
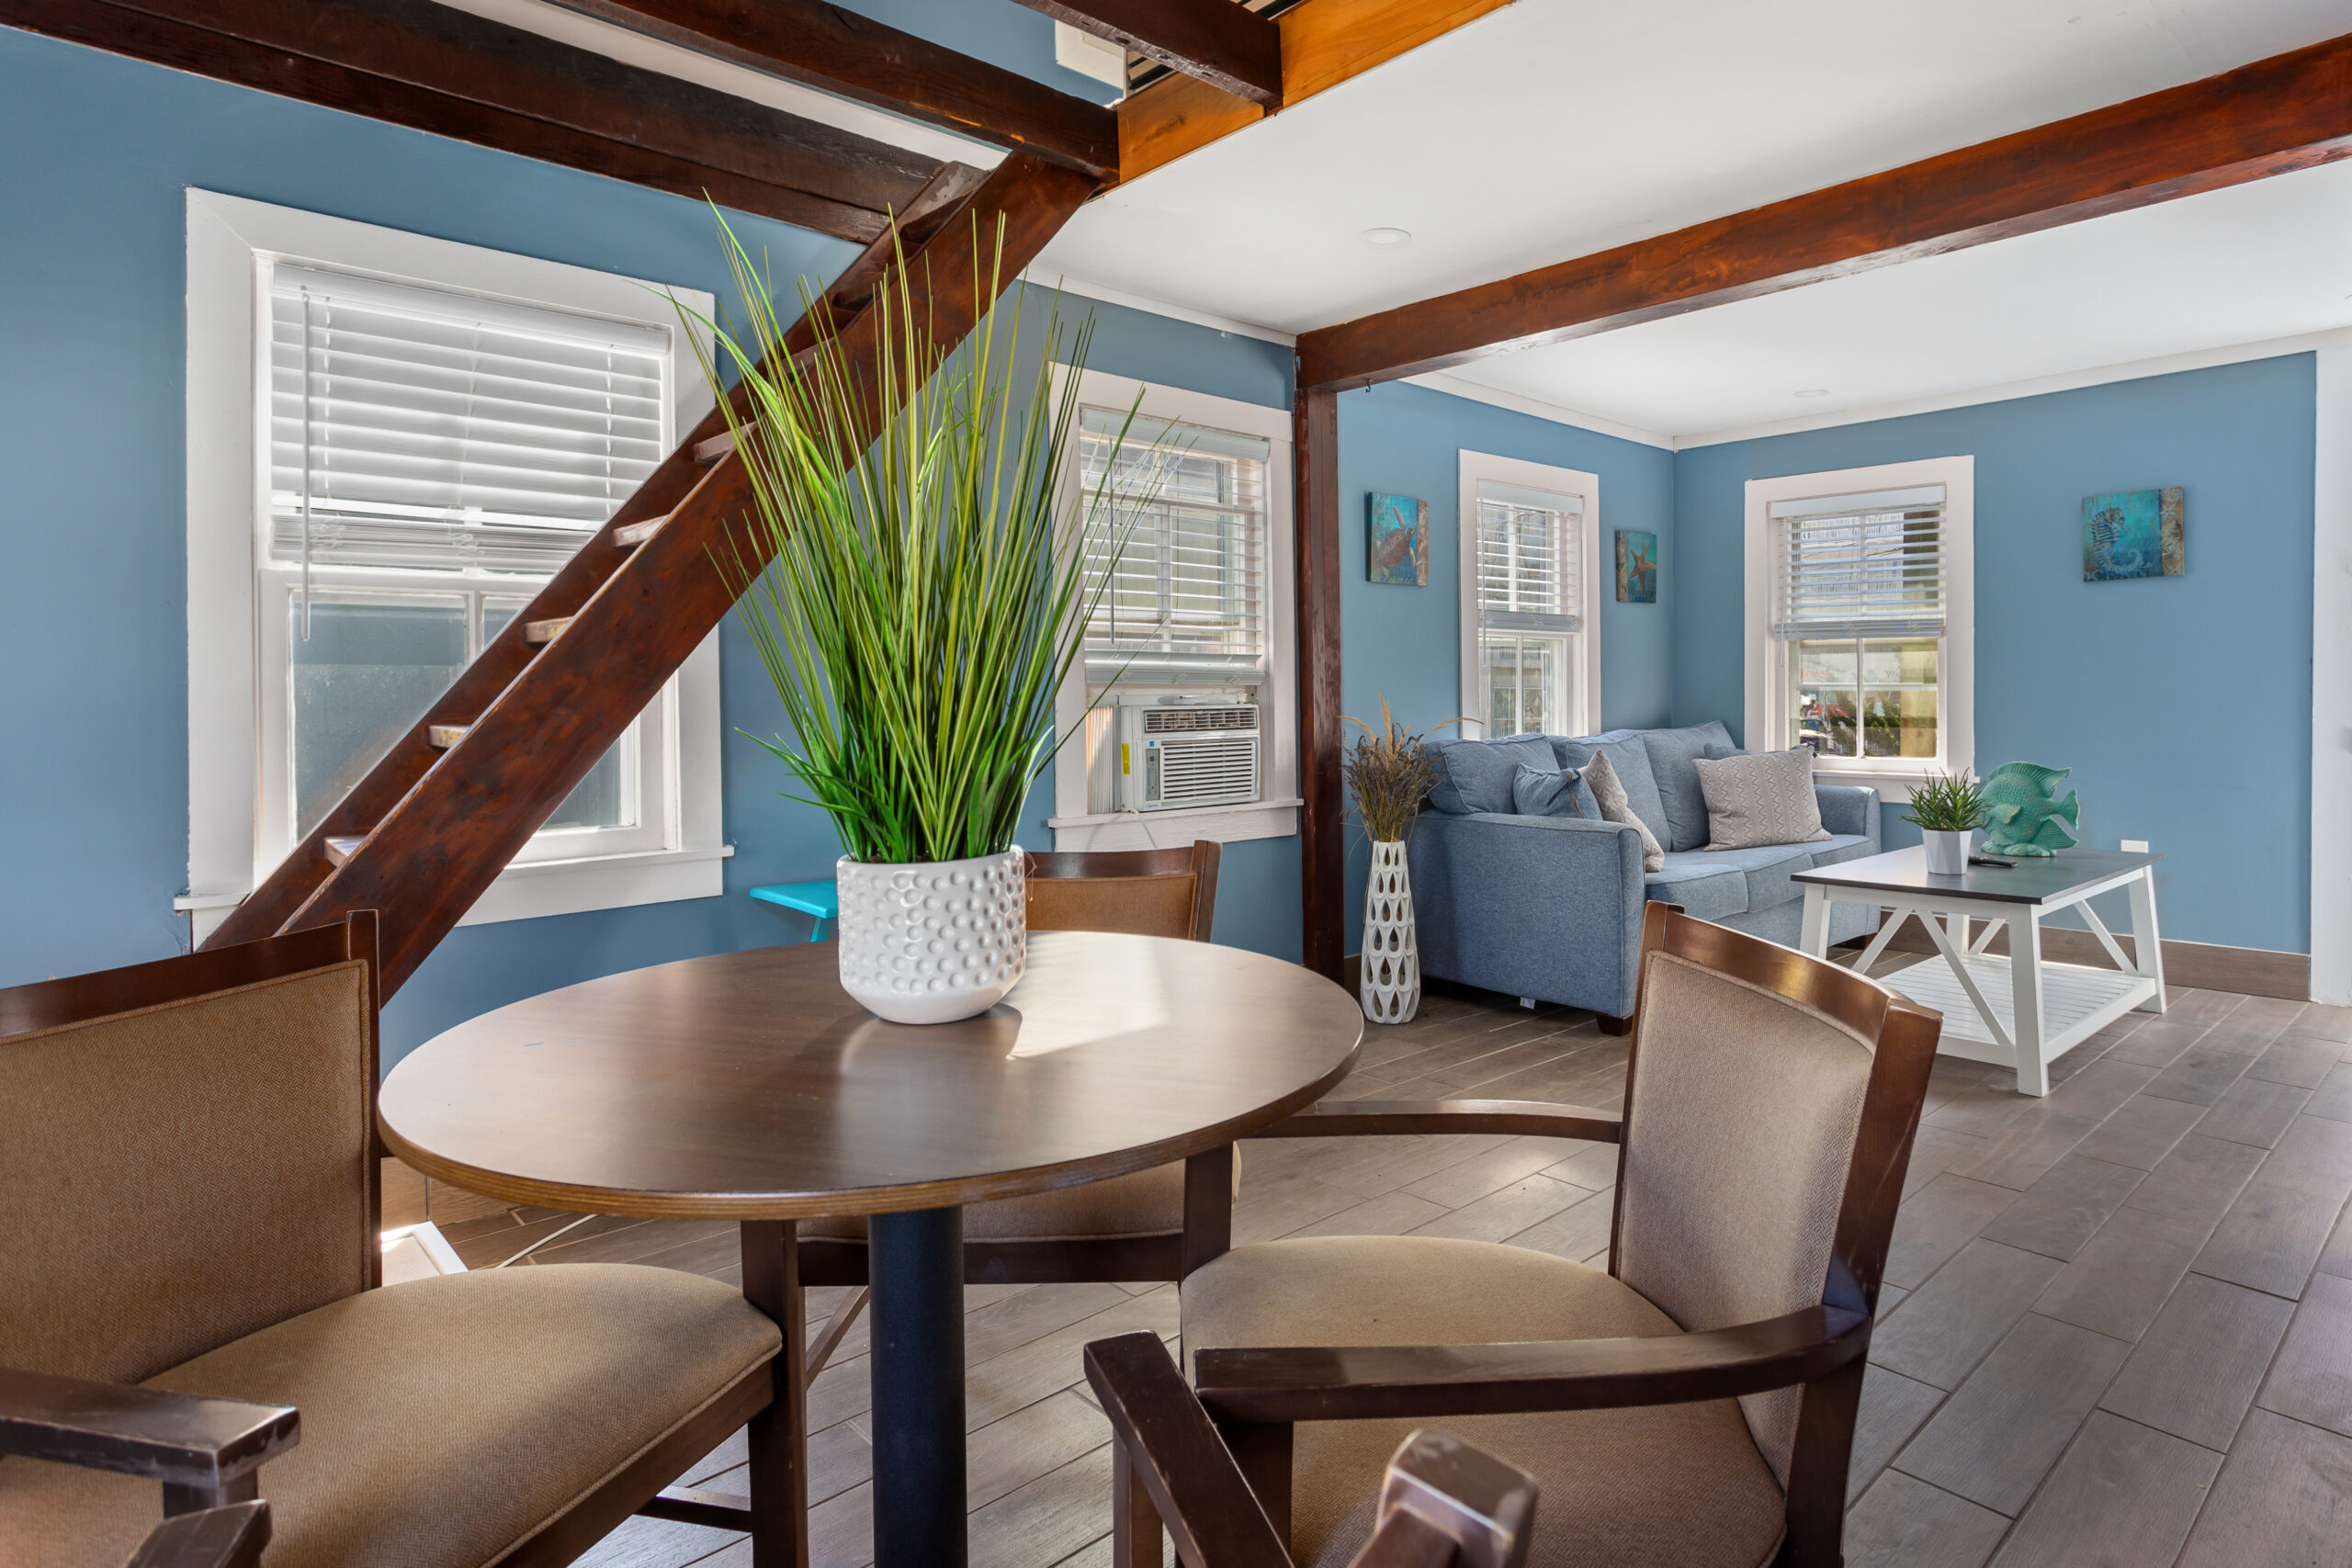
[
  {"x": 1812, "y": 393},
  {"x": 1384, "y": 237}
]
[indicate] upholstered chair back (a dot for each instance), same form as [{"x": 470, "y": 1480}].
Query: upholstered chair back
[
  {"x": 1741, "y": 1115},
  {"x": 1169, "y": 893},
  {"x": 182, "y": 1174}
]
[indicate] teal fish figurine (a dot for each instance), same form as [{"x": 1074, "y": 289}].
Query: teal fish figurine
[{"x": 2022, "y": 813}]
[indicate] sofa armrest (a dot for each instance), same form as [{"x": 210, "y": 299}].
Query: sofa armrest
[
  {"x": 1849, "y": 809},
  {"x": 1541, "y": 907}
]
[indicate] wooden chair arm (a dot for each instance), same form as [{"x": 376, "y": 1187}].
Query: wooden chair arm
[
  {"x": 1364, "y": 1382},
  {"x": 216, "y": 1537},
  {"x": 181, "y": 1439},
  {"x": 1200, "y": 1493},
  {"x": 1520, "y": 1118}
]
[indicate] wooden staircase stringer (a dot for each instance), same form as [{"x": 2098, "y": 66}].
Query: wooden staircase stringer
[{"x": 435, "y": 825}]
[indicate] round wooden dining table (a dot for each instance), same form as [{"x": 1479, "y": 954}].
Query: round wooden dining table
[{"x": 749, "y": 1086}]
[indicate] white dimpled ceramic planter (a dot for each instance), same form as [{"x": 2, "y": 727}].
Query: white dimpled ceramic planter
[{"x": 934, "y": 942}]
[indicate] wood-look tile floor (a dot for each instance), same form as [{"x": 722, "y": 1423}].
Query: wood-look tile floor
[{"x": 2117, "y": 1327}]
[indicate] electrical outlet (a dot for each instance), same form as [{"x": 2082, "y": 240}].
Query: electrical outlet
[{"x": 2136, "y": 846}]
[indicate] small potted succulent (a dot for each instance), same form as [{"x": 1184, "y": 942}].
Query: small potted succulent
[
  {"x": 1949, "y": 808},
  {"x": 1388, "y": 771}
]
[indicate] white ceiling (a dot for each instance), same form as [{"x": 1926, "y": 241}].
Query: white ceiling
[{"x": 1556, "y": 128}]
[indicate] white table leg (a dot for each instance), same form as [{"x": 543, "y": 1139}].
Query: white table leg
[
  {"x": 2147, "y": 947},
  {"x": 2025, "y": 980},
  {"x": 1815, "y": 940}
]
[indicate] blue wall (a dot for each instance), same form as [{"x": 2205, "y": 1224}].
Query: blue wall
[
  {"x": 2182, "y": 704},
  {"x": 1002, "y": 32},
  {"x": 92, "y": 625},
  {"x": 1406, "y": 643}
]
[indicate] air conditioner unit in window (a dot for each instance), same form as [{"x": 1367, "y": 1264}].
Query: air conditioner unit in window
[{"x": 1177, "y": 753}]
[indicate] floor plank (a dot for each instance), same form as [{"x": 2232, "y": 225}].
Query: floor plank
[
  {"x": 2310, "y": 1380},
  {"x": 1893, "y": 1407},
  {"x": 2283, "y": 1500},
  {"x": 1946, "y": 1327},
  {"x": 2120, "y": 1280},
  {"x": 2198, "y": 1180},
  {"x": 2124, "y": 1497},
  {"x": 1933, "y": 1224},
  {"x": 2064, "y": 1209},
  {"x": 1904, "y": 1523},
  {"x": 2002, "y": 1430},
  {"x": 2195, "y": 1371}
]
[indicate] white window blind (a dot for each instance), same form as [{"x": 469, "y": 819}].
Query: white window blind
[
  {"x": 1866, "y": 565},
  {"x": 1186, "y": 602},
  {"x": 426, "y": 429},
  {"x": 1528, "y": 560}
]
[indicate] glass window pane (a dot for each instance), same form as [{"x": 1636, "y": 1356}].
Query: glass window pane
[
  {"x": 371, "y": 667},
  {"x": 1538, "y": 677},
  {"x": 1899, "y": 698},
  {"x": 605, "y": 797},
  {"x": 1502, "y": 687},
  {"x": 1822, "y": 696}
]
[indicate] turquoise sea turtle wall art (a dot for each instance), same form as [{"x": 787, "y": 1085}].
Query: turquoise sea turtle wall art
[{"x": 2023, "y": 812}]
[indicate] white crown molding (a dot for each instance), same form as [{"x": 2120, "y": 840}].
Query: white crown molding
[
  {"x": 2130, "y": 370},
  {"x": 642, "y": 50},
  {"x": 1454, "y": 385},
  {"x": 1041, "y": 276}
]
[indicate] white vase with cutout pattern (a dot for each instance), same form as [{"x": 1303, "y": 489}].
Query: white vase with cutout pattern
[{"x": 1390, "y": 987}]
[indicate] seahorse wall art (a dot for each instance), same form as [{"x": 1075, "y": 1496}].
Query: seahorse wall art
[{"x": 2023, "y": 812}]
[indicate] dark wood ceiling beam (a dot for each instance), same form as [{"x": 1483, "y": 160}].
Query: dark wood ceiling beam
[
  {"x": 1215, "y": 40},
  {"x": 840, "y": 52},
  {"x": 2292, "y": 111},
  {"x": 424, "y": 66}
]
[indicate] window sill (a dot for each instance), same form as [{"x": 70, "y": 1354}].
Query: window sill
[
  {"x": 1893, "y": 784},
  {"x": 1173, "y": 830},
  {"x": 549, "y": 887}
]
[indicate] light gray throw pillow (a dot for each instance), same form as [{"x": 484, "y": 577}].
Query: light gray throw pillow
[
  {"x": 1609, "y": 792},
  {"x": 1764, "y": 798}
]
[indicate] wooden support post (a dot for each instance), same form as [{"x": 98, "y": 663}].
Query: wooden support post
[
  {"x": 778, "y": 1478},
  {"x": 1322, "y": 848}
]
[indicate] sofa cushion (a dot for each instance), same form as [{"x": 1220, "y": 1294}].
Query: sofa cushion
[
  {"x": 1475, "y": 775},
  {"x": 1630, "y": 761},
  {"x": 1737, "y": 882},
  {"x": 1552, "y": 791},
  {"x": 1843, "y": 847},
  {"x": 1705, "y": 887},
  {"x": 1672, "y": 754}
]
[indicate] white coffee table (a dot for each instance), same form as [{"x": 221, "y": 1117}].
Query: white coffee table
[{"x": 2021, "y": 1010}]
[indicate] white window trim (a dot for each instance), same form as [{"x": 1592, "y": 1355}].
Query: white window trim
[
  {"x": 1767, "y": 717},
  {"x": 1276, "y": 815},
  {"x": 229, "y": 240},
  {"x": 1584, "y": 680}
]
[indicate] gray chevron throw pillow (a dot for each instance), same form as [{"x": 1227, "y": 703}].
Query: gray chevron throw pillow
[
  {"x": 1609, "y": 791},
  {"x": 1763, "y": 799}
]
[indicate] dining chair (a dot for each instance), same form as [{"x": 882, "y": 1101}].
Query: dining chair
[
  {"x": 1145, "y": 1226},
  {"x": 1690, "y": 1405},
  {"x": 228, "y": 1537},
  {"x": 1441, "y": 1503},
  {"x": 189, "y": 1216}
]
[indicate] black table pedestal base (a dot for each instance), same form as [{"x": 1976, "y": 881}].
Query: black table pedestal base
[{"x": 916, "y": 1265}]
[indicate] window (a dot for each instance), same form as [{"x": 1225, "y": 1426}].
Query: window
[
  {"x": 1197, "y": 608},
  {"x": 1186, "y": 605},
  {"x": 1528, "y": 571},
  {"x": 1859, "y": 587},
  {"x": 432, "y": 431}
]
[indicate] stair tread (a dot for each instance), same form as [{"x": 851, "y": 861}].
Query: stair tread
[
  {"x": 342, "y": 847},
  {"x": 546, "y": 631},
  {"x": 710, "y": 451},
  {"x": 441, "y": 737},
  {"x": 629, "y": 536}
]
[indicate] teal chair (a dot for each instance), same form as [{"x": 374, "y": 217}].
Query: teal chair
[{"x": 820, "y": 900}]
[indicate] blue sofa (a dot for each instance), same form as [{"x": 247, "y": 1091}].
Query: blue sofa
[{"x": 1551, "y": 907}]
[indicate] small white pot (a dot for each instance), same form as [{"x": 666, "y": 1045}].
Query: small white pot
[
  {"x": 1390, "y": 987},
  {"x": 1947, "y": 852},
  {"x": 934, "y": 940}
]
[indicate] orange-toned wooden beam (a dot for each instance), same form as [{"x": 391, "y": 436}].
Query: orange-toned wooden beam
[
  {"x": 1324, "y": 42},
  {"x": 2292, "y": 111}
]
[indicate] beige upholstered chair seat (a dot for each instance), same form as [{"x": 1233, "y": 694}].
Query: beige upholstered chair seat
[
  {"x": 1662, "y": 1486},
  {"x": 444, "y": 1420}
]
